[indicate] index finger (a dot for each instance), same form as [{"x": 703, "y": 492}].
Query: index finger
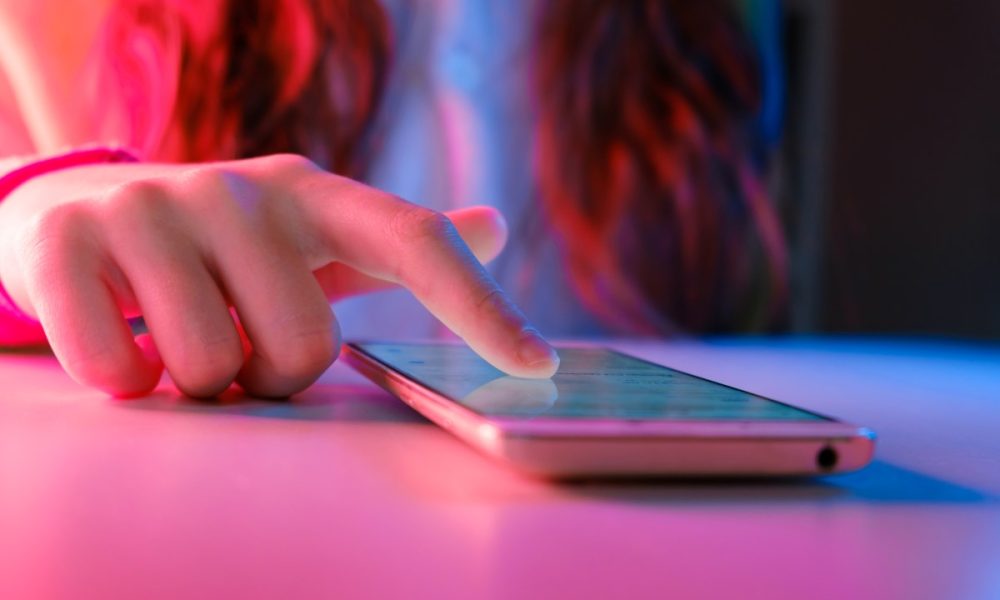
[{"x": 420, "y": 249}]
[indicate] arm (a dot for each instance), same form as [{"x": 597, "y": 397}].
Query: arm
[
  {"x": 46, "y": 54},
  {"x": 81, "y": 72}
]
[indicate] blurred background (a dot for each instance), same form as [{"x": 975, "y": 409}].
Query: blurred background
[{"x": 890, "y": 166}]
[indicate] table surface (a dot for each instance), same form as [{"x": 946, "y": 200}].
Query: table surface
[{"x": 345, "y": 491}]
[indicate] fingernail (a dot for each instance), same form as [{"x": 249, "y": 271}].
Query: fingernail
[{"x": 535, "y": 351}]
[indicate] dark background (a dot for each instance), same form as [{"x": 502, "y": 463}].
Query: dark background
[{"x": 892, "y": 176}]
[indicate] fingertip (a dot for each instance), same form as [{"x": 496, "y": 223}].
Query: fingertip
[
  {"x": 538, "y": 359},
  {"x": 146, "y": 375},
  {"x": 546, "y": 371},
  {"x": 128, "y": 393}
]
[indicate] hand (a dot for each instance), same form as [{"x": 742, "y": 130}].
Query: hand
[{"x": 273, "y": 239}]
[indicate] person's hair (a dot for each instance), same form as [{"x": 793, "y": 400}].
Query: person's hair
[{"x": 648, "y": 167}]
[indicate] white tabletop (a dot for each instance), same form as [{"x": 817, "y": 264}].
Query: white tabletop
[{"x": 344, "y": 492}]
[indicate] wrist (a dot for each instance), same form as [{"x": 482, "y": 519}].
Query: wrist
[{"x": 18, "y": 184}]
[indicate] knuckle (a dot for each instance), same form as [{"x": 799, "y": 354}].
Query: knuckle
[
  {"x": 208, "y": 369},
  {"x": 414, "y": 223},
  {"x": 206, "y": 180},
  {"x": 210, "y": 188},
  {"x": 493, "y": 305},
  {"x": 136, "y": 205},
  {"x": 307, "y": 354},
  {"x": 209, "y": 173},
  {"x": 134, "y": 192},
  {"x": 288, "y": 162},
  {"x": 63, "y": 221},
  {"x": 53, "y": 239},
  {"x": 414, "y": 231},
  {"x": 281, "y": 167},
  {"x": 490, "y": 300}
]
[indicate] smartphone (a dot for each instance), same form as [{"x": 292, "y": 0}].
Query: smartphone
[{"x": 609, "y": 414}]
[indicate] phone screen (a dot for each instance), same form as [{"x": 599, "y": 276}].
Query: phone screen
[{"x": 591, "y": 383}]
